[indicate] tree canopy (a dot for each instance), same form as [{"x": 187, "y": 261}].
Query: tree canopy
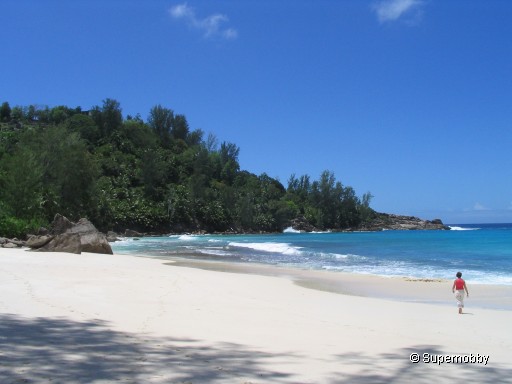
[{"x": 158, "y": 176}]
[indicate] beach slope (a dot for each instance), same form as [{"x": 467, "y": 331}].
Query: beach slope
[{"x": 95, "y": 318}]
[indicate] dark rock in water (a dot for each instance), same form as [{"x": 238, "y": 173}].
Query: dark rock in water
[
  {"x": 64, "y": 234},
  {"x": 132, "y": 233},
  {"x": 112, "y": 236},
  {"x": 65, "y": 242}
]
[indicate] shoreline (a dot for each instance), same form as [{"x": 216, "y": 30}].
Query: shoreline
[
  {"x": 100, "y": 318},
  {"x": 417, "y": 290},
  {"x": 415, "y": 254}
]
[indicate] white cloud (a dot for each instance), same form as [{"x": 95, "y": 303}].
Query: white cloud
[
  {"x": 476, "y": 207},
  {"x": 210, "y": 26},
  {"x": 181, "y": 10},
  {"x": 392, "y": 10},
  {"x": 480, "y": 207}
]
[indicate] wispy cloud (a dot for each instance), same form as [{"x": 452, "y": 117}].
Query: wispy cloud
[
  {"x": 211, "y": 26},
  {"x": 392, "y": 10},
  {"x": 480, "y": 207}
]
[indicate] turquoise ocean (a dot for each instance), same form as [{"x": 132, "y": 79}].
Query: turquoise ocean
[{"x": 482, "y": 252}]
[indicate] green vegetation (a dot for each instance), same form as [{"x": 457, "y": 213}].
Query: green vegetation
[{"x": 158, "y": 176}]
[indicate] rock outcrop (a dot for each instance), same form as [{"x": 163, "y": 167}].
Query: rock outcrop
[
  {"x": 112, "y": 236},
  {"x": 66, "y": 236},
  {"x": 65, "y": 242},
  {"x": 132, "y": 233},
  {"x": 91, "y": 239},
  {"x": 11, "y": 243},
  {"x": 301, "y": 224},
  {"x": 380, "y": 222},
  {"x": 386, "y": 221},
  {"x": 38, "y": 241}
]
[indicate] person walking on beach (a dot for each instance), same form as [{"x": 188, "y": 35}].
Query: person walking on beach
[{"x": 458, "y": 287}]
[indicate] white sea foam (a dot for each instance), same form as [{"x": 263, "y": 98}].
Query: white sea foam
[
  {"x": 495, "y": 280},
  {"x": 397, "y": 269},
  {"x": 126, "y": 241},
  {"x": 291, "y": 230},
  {"x": 122, "y": 240},
  {"x": 214, "y": 252},
  {"x": 337, "y": 256},
  {"x": 283, "y": 248},
  {"x": 462, "y": 229},
  {"x": 188, "y": 237},
  {"x": 479, "y": 277}
]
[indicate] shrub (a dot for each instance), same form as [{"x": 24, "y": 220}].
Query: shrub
[{"x": 13, "y": 227}]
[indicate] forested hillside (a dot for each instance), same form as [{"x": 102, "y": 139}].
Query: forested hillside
[{"x": 157, "y": 175}]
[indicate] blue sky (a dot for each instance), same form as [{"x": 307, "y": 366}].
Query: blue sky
[{"x": 410, "y": 100}]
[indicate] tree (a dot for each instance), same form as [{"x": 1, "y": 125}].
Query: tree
[
  {"x": 5, "y": 112},
  {"x": 229, "y": 166},
  {"x": 85, "y": 127},
  {"x": 299, "y": 191},
  {"x": 365, "y": 212},
  {"x": 17, "y": 113},
  {"x": 137, "y": 136},
  {"x": 31, "y": 113},
  {"x": 60, "y": 114},
  {"x": 152, "y": 173},
  {"x": 21, "y": 184},
  {"x": 195, "y": 137},
  {"x": 325, "y": 196},
  {"x": 211, "y": 143},
  {"x": 109, "y": 117},
  {"x": 326, "y": 203},
  {"x": 161, "y": 121},
  {"x": 66, "y": 170},
  {"x": 349, "y": 211},
  {"x": 125, "y": 173},
  {"x": 180, "y": 128}
]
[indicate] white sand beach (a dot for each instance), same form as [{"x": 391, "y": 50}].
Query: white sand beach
[{"x": 92, "y": 318}]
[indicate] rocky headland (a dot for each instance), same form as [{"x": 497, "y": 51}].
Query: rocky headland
[
  {"x": 380, "y": 222},
  {"x": 386, "y": 221},
  {"x": 82, "y": 236}
]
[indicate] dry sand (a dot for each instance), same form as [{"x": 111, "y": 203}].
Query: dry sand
[{"x": 91, "y": 318}]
